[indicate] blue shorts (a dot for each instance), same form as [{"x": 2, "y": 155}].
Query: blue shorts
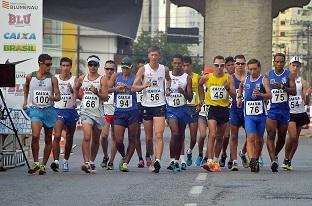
[
  {"x": 46, "y": 116},
  {"x": 237, "y": 118},
  {"x": 255, "y": 124},
  {"x": 182, "y": 114},
  {"x": 126, "y": 118},
  {"x": 194, "y": 114},
  {"x": 281, "y": 116},
  {"x": 68, "y": 116}
]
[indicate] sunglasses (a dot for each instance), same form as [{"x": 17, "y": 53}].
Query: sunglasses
[
  {"x": 240, "y": 63},
  {"x": 93, "y": 65},
  {"x": 110, "y": 69},
  {"x": 219, "y": 65}
]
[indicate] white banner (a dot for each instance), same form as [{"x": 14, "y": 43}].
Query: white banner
[{"x": 20, "y": 44}]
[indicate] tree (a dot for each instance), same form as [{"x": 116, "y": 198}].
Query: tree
[{"x": 168, "y": 50}]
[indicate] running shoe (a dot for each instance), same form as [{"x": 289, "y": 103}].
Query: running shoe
[
  {"x": 222, "y": 160},
  {"x": 234, "y": 166},
  {"x": 156, "y": 167},
  {"x": 92, "y": 168},
  {"x": 204, "y": 161},
  {"x": 183, "y": 166},
  {"x": 149, "y": 163},
  {"x": 54, "y": 166},
  {"x": 189, "y": 161},
  {"x": 42, "y": 170},
  {"x": 34, "y": 168},
  {"x": 274, "y": 166},
  {"x": 65, "y": 167},
  {"x": 124, "y": 167},
  {"x": 110, "y": 166},
  {"x": 85, "y": 167},
  {"x": 208, "y": 166},
  {"x": 104, "y": 162},
  {"x": 171, "y": 166},
  {"x": 230, "y": 164},
  {"x": 198, "y": 161},
  {"x": 141, "y": 164},
  {"x": 244, "y": 159},
  {"x": 177, "y": 167},
  {"x": 216, "y": 167},
  {"x": 287, "y": 165}
]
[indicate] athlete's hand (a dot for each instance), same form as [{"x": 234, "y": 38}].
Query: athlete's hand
[
  {"x": 198, "y": 107},
  {"x": 147, "y": 83},
  {"x": 70, "y": 88},
  {"x": 256, "y": 93},
  {"x": 181, "y": 91},
  {"x": 24, "y": 105},
  {"x": 278, "y": 85},
  {"x": 93, "y": 89},
  {"x": 120, "y": 87},
  {"x": 239, "y": 103},
  {"x": 309, "y": 91},
  {"x": 226, "y": 85},
  {"x": 168, "y": 92},
  {"x": 75, "y": 105}
]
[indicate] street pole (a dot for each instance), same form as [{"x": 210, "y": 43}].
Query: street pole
[{"x": 309, "y": 56}]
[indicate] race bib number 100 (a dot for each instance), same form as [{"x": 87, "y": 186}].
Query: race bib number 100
[{"x": 41, "y": 98}]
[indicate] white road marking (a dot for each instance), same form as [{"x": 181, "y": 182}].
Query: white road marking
[
  {"x": 190, "y": 204},
  {"x": 201, "y": 177},
  {"x": 196, "y": 190}
]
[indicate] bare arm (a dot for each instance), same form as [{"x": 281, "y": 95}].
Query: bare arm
[
  {"x": 168, "y": 81},
  {"x": 231, "y": 89},
  {"x": 103, "y": 93},
  {"x": 26, "y": 90},
  {"x": 267, "y": 95},
  {"x": 306, "y": 92},
  {"x": 189, "y": 93},
  {"x": 77, "y": 86},
  {"x": 201, "y": 91},
  {"x": 57, "y": 95},
  {"x": 239, "y": 101},
  {"x": 292, "y": 85}
]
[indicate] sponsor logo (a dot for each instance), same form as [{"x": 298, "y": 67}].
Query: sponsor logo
[
  {"x": 17, "y": 62},
  {"x": 18, "y": 6},
  {"x": 30, "y": 36},
  {"x": 19, "y": 48},
  {"x": 19, "y": 20}
]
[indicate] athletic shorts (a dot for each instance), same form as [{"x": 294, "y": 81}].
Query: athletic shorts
[
  {"x": 109, "y": 119},
  {"x": 219, "y": 114},
  {"x": 202, "y": 120},
  {"x": 255, "y": 124},
  {"x": 237, "y": 118},
  {"x": 281, "y": 116},
  {"x": 194, "y": 114},
  {"x": 126, "y": 118},
  {"x": 92, "y": 120},
  {"x": 46, "y": 116},
  {"x": 150, "y": 112},
  {"x": 68, "y": 116},
  {"x": 183, "y": 114},
  {"x": 300, "y": 119}
]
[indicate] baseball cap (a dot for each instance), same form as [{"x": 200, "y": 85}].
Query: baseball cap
[
  {"x": 93, "y": 58},
  {"x": 126, "y": 62},
  {"x": 296, "y": 59},
  {"x": 208, "y": 70}
]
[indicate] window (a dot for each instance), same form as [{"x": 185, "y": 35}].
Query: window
[
  {"x": 51, "y": 33},
  {"x": 283, "y": 34},
  {"x": 283, "y": 22},
  {"x": 305, "y": 46}
]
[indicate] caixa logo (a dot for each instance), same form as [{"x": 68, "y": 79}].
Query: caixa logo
[
  {"x": 29, "y": 36},
  {"x": 19, "y": 20}
]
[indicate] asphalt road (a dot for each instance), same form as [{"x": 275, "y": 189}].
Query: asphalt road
[{"x": 193, "y": 187}]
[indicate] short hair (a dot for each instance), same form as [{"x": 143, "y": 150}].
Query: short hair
[
  {"x": 141, "y": 61},
  {"x": 43, "y": 57},
  {"x": 229, "y": 59},
  {"x": 218, "y": 57},
  {"x": 177, "y": 56},
  {"x": 240, "y": 56},
  {"x": 254, "y": 61},
  {"x": 66, "y": 59},
  {"x": 279, "y": 55},
  {"x": 187, "y": 59},
  {"x": 154, "y": 49},
  {"x": 110, "y": 62}
]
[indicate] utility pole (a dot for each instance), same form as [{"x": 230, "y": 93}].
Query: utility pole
[
  {"x": 167, "y": 14},
  {"x": 309, "y": 54}
]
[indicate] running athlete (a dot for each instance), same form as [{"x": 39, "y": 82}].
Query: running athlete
[
  {"x": 67, "y": 115},
  {"x": 230, "y": 69},
  {"x": 178, "y": 113},
  {"x": 92, "y": 114},
  {"x": 126, "y": 112},
  {"x": 154, "y": 76},
  {"x": 194, "y": 108},
  {"x": 282, "y": 84},
  {"x": 298, "y": 115},
  {"x": 109, "y": 108},
  {"x": 219, "y": 86},
  {"x": 236, "y": 114},
  {"x": 40, "y": 92},
  {"x": 257, "y": 90}
]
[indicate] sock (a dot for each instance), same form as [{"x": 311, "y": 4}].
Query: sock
[
  {"x": 157, "y": 160},
  {"x": 65, "y": 161},
  {"x": 189, "y": 151},
  {"x": 172, "y": 160},
  {"x": 56, "y": 162},
  {"x": 91, "y": 163},
  {"x": 182, "y": 159},
  {"x": 200, "y": 154},
  {"x": 215, "y": 159},
  {"x": 209, "y": 160},
  {"x": 176, "y": 161},
  {"x": 234, "y": 161}
]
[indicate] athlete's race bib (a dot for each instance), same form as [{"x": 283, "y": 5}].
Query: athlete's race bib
[
  {"x": 193, "y": 101},
  {"x": 243, "y": 97},
  {"x": 154, "y": 95},
  {"x": 66, "y": 101},
  {"x": 218, "y": 93},
  {"x": 41, "y": 98},
  {"x": 139, "y": 96},
  {"x": 124, "y": 101},
  {"x": 254, "y": 107},
  {"x": 176, "y": 100},
  {"x": 110, "y": 99},
  {"x": 279, "y": 96},
  {"x": 295, "y": 102},
  {"x": 203, "y": 110},
  {"x": 90, "y": 101}
]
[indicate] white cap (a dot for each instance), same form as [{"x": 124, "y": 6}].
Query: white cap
[
  {"x": 93, "y": 58},
  {"x": 296, "y": 59}
]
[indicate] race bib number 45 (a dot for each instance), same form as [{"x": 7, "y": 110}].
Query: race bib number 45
[
  {"x": 254, "y": 107},
  {"x": 41, "y": 98},
  {"x": 279, "y": 96},
  {"x": 124, "y": 101},
  {"x": 218, "y": 93},
  {"x": 91, "y": 101}
]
